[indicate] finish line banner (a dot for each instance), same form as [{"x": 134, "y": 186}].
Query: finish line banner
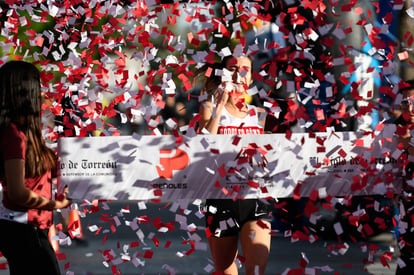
[{"x": 223, "y": 166}]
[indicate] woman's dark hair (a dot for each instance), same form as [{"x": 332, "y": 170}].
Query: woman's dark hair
[{"x": 20, "y": 103}]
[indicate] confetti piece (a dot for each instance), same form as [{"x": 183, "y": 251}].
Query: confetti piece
[
  {"x": 148, "y": 254},
  {"x": 222, "y": 171},
  {"x": 403, "y": 55}
]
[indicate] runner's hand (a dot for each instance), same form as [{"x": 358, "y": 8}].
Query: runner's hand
[{"x": 62, "y": 201}]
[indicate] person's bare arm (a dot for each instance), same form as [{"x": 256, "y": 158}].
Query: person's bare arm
[
  {"x": 24, "y": 197},
  {"x": 210, "y": 114}
]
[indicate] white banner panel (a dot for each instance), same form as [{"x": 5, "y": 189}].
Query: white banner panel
[{"x": 219, "y": 166}]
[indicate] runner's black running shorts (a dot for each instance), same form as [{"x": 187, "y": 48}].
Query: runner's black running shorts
[{"x": 226, "y": 217}]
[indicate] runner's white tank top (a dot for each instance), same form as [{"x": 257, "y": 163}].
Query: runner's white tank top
[{"x": 230, "y": 125}]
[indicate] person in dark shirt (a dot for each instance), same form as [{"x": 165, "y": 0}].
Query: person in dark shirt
[{"x": 405, "y": 125}]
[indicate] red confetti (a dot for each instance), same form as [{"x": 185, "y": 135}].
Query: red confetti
[
  {"x": 342, "y": 153},
  {"x": 158, "y": 192},
  {"x": 133, "y": 244},
  {"x": 61, "y": 256},
  {"x": 222, "y": 171},
  {"x": 236, "y": 140},
  {"x": 156, "y": 241},
  {"x": 148, "y": 254},
  {"x": 253, "y": 184}
]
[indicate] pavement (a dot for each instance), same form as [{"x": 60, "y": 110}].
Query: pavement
[{"x": 123, "y": 238}]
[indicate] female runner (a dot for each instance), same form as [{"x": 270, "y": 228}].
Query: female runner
[{"x": 225, "y": 112}]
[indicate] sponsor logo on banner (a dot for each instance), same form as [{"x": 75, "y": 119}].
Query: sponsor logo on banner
[
  {"x": 173, "y": 160},
  {"x": 87, "y": 168},
  {"x": 350, "y": 165}
]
